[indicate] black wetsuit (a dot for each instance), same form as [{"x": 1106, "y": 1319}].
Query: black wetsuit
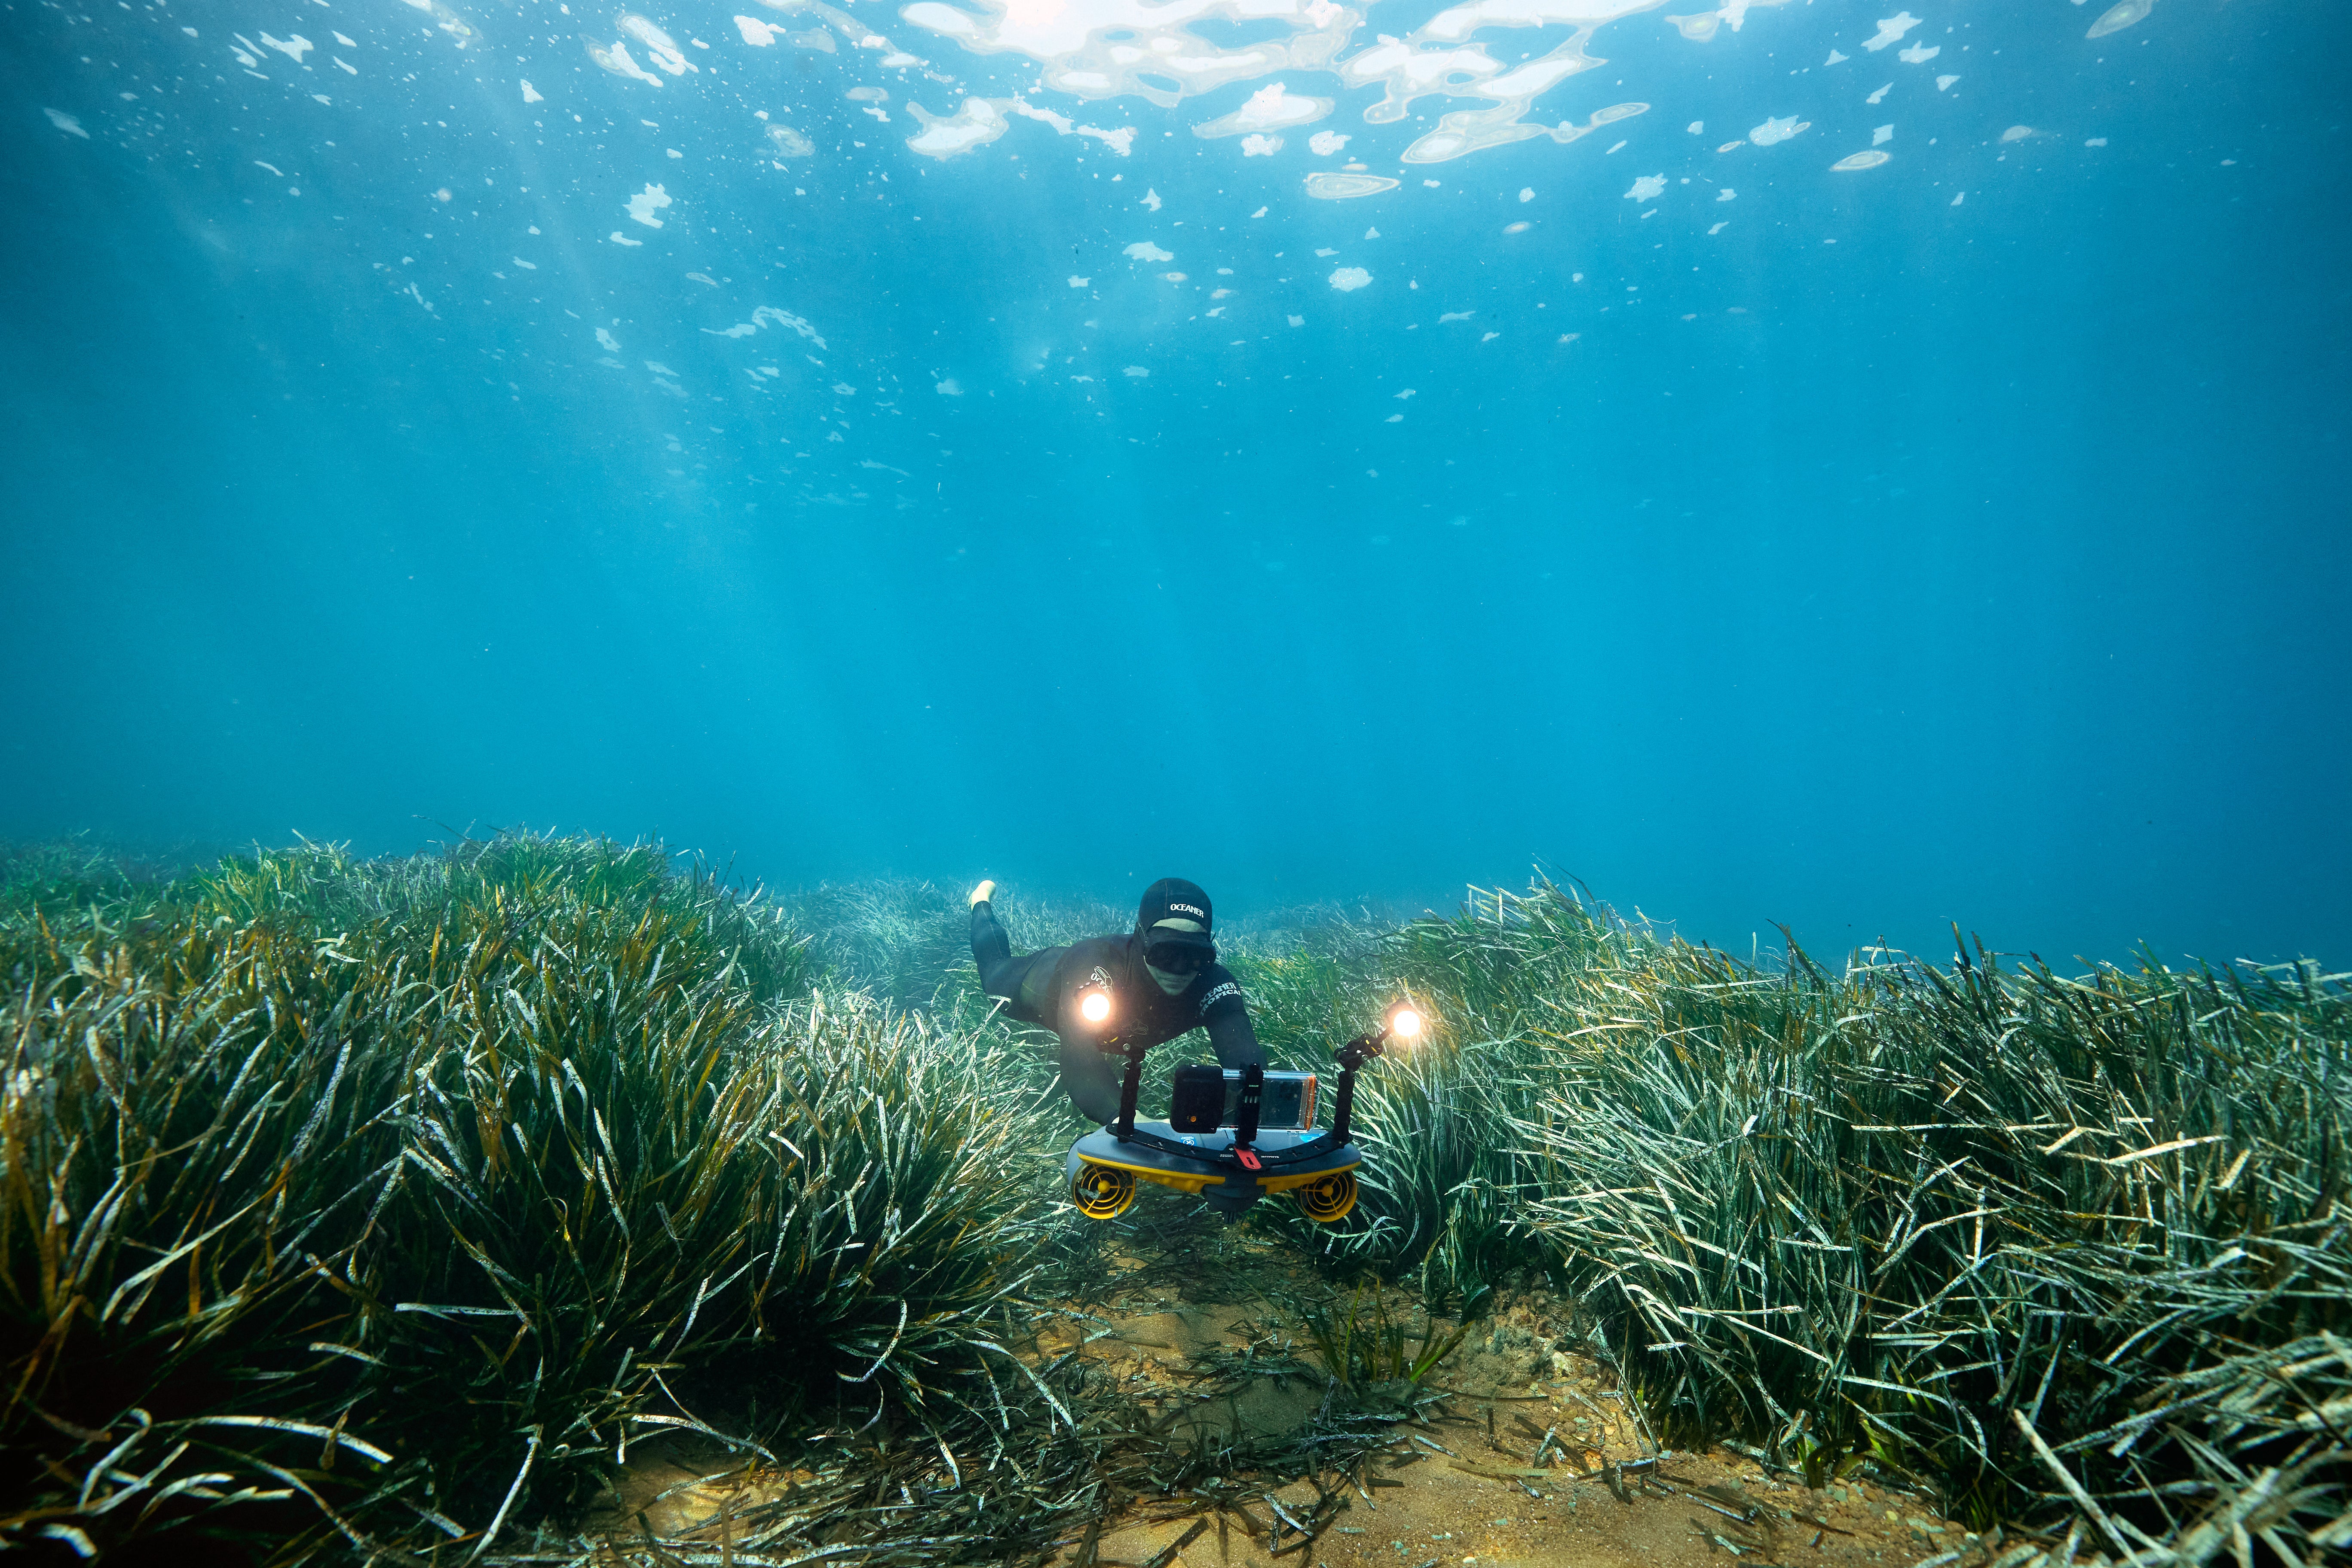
[{"x": 1043, "y": 988}]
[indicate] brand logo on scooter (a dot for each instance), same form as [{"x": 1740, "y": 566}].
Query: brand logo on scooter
[{"x": 1189, "y": 909}]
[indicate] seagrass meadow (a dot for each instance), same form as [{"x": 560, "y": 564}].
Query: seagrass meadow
[{"x": 372, "y": 1211}]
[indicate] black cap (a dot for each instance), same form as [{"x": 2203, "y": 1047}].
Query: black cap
[{"x": 1175, "y": 899}]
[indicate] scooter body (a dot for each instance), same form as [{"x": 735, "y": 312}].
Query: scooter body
[
  {"x": 1104, "y": 1167},
  {"x": 1232, "y": 1166}
]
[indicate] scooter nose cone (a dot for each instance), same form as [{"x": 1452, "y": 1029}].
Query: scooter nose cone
[{"x": 1231, "y": 1199}]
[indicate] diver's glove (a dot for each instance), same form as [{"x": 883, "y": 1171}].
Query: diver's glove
[{"x": 982, "y": 894}]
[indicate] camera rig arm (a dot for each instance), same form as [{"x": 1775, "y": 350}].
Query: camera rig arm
[{"x": 1353, "y": 1055}]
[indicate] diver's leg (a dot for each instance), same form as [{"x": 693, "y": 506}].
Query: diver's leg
[
  {"x": 992, "y": 952},
  {"x": 1091, "y": 1080}
]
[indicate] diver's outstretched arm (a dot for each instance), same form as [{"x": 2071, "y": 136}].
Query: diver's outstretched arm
[{"x": 1231, "y": 1036}]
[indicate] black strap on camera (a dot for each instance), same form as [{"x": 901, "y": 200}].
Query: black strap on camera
[{"x": 1245, "y": 1108}]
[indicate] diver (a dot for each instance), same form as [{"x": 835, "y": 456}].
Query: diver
[{"x": 1163, "y": 980}]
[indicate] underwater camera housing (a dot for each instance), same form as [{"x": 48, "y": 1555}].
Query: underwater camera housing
[
  {"x": 1203, "y": 1099},
  {"x": 1233, "y": 1136}
]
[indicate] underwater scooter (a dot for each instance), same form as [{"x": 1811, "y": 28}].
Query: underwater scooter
[{"x": 1213, "y": 1142}]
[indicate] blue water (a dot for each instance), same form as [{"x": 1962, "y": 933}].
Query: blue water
[{"x": 1961, "y": 538}]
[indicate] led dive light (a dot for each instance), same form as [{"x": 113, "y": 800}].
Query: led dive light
[
  {"x": 1095, "y": 1006},
  {"x": 1405, "y": 1021}
]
